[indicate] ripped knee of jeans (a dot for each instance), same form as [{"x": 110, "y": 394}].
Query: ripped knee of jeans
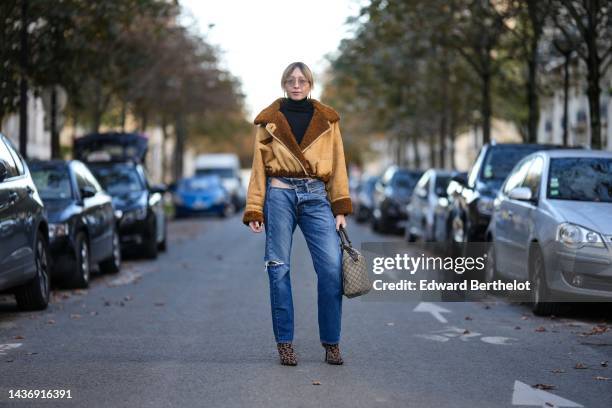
[{"x": 272, "y": 263}]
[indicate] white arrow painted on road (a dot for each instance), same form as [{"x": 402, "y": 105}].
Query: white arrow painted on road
[
  {"x": 435, "y": 310},
  {"x": 526, "y": 395},
  {"x": 8, "y": 346}
]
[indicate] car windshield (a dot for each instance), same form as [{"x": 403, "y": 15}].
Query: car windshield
[
  {"x": 52, "y": 183},
  {"x": 501, "y": 160},
  {"x": 580, "y": 179},
  {"x": 199, "y": 183},
  {"x": 405, "y": 180},
  {"x": 119, "y": 179},
  {"x": 224, "y": 172}
]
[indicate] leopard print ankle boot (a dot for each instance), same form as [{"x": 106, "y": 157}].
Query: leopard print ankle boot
[
  {"x": 332, "y": 354},
  {"x": 286, "y": 354}
]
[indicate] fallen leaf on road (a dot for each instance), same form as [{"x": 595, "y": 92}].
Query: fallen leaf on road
[
  {"x": 79, "y": 292},
  {"x": 466, "y": 331},
  {"x": 487, "y": 307},
  {"x": 121, "y": 303},
  {"x": 468, "y": 318},
  {"x": 541, "y": 329},
  {"x": 50, "y": 321},
  {"x": 19, "y": 337},
  {"x": 315, "y": 382},
  {"x": 93, "y": 313},
  {"x": 600, "y": 378},
  {"x": 604, "y": 363},
  {"x": 65, "y": 296},
  {"x": 580, "y": 366},
  {"x": 128, "y": 298},
  {"x": 544, "y": 386},
  {"x": 524, "y": 317},
  {"x": 107, "y": 303},
  {"x": 517, "y": 327},
  {"x": 548, "y": 404},
  {"x": 599, "y": 329},
  {"x": 75, "y": 316},
  {"x": 390, "y": 324},
  {"x": 558, "y": 370},
  {"x": 10, "y": 360},
  {"x": 31, "y": 353}
]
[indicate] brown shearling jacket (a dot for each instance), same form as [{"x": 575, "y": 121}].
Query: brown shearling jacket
[{"x": 320, "y": 155}]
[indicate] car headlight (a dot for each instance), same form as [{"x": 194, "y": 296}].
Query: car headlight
[
  {"x": 220, "y": 198},
  {"x": 485, "y": 205},
  {"x": 134, "y": 215},
  {"x": 574, "y": 236},
  {"x": 58, "y": 230}
]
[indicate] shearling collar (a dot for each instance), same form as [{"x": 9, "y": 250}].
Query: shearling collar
[{"x": 276, "y": 122}]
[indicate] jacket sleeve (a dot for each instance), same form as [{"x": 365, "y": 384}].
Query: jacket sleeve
[
  {"x": 338, "y": 184},
  {"x": 256, "y": 192}
]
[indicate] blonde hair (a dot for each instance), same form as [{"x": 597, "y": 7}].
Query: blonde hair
[{"x": 302, "y": 67}]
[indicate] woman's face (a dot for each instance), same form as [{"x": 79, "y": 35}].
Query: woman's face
[{"x": 297, "y": 86}]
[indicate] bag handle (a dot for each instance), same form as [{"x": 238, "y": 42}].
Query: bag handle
[{"x": 344, "y": 236}]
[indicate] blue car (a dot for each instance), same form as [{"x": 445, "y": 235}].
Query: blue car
[{"x": 202, "y": 195}]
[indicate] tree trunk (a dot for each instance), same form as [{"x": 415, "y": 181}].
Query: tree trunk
[
  {"x": 593, "y": 92},
  {"x": 23, "y": 83},
  {"x": 55, "y": 137},
  {"x": 123, "y": 114},
  {"x": 164, "y": 128},
  {"x": 486, "y": 108},
  {"x": 179, "y": 148},
  {"x": 566, "y": 97},
  {"x": 415, "y": 148},
  {"x": 532, "y": 96}
]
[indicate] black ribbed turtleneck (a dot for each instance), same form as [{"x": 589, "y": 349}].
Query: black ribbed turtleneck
[{"x": 298, "y": 114}]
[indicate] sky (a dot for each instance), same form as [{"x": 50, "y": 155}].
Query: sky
[{"x": 258, "y": 39}]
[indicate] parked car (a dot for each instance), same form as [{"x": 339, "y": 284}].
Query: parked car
[
  {"x": 552, "y": 226},
  {"x": 363, "y": 200},
  {"x": 426, "y": 203},
  {"x": 202, "y": 195},
  {"x": 472, "y": 207},
  {"x": 82, "y": 227},
  {"x": 227, "y": 167},
  {"x": 116, "y": 160},
  {"x": 24, "y": 232},
  {"x": 391, "y": 194}
]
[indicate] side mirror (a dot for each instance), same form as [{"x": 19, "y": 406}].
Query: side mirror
[
  {"x": 87, "y": 192},
  {"x": 520, "y": 193},
  {"x": 460, "y": 178},
  {"x": 3, "y": 171},
  {"x": 159, "y": 188}
]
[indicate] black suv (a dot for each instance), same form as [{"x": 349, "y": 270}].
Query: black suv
[
  {"x": 472, "y": 205},
  {"x": 116, "y": 159},
  {"x": 24, "y": 262}
]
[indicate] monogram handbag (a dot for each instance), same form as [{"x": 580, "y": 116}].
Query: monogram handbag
[{"x": 355, "y": 280}]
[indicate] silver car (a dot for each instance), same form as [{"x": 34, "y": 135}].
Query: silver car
[{"x": 552, "y": 226}]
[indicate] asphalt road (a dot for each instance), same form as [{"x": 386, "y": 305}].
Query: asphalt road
[{"x": 193, "y": 329}]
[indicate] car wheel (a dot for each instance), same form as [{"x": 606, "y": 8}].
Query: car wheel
[
  {"x": 113, "y": 264},
  {"x": 150, "y": 244},
  {"x": 34, "y": 295},
  {"x": 540, "y": 297},
  {"x": 82, "y": 267},
  {"x": 228, "y": 210},
  {"x": 163, "y": 246}
]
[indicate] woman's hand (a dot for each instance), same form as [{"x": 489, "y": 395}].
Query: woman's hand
[
  {"x": 340, "y": 221},
  {"x": 256, "y": 226}
]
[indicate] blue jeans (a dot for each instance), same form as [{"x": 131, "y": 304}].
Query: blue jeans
[{"x": 306, "y": 205}]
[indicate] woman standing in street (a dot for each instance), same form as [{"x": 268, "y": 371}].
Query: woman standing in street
[{"x": 299, "y": 177}]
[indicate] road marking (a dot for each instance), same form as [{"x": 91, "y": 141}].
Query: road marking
[
  {"x": 524, "y": 394},
  {"x": 435, "y": 310},
  {"x": 456, "y": 332},
  {"x": 498, "y": 340},
  {"x": 8, "y": 346}
]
